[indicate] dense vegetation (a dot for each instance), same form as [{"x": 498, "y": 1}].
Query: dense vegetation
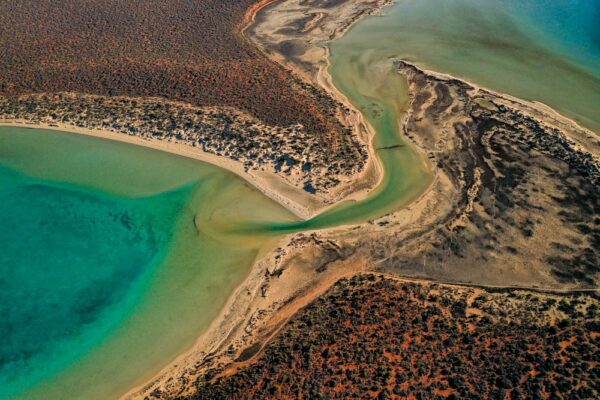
[
  {"x": 373, "y": 337},
  {"x": 178, "y": 49}
]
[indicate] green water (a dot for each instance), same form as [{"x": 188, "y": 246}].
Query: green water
[
  {"x": 113, "y": 260},
  {"x": 366, "y": 75},
  {"x": 73, "y": 264},
  {"x": 363, "y": 70},
  {"x": 146, "y": 247},
  {"x": 544, "y": 50}
]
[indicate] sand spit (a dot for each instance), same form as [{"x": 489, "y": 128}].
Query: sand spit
[
  {"x": 485, "y": 221},
  {"x": 509, "y": 176},
  {"x": 516, "y": 187},
  {"x": 295, "y": 33},
  {"x": 456, "y": 124},
  {"x": 514, "y": 202},
  {"x": 312, "y": 264},
  {"x": 286, "y": 163},
  {"x": 164, "y": 125},
  {"x": 512, "y": 207}
]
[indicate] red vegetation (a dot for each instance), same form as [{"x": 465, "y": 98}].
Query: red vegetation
[
  {"x": 372, "y": 337},
  {"x": 177, "y": 49}
]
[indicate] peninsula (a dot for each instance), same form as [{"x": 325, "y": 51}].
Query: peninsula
[{"x": 445, "y": 237}]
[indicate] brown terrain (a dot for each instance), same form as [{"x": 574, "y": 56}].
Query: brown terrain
[
  {"x": 512, "y": 212},
  {"x": 378, "y": 337},
  {"x": 515, "y": 199},
  {"x": 513, "y": 207},
  {"x": 190, "y": 51},
  {"x": 291, "y": 152},
  {"x": 519, "y": 186}
]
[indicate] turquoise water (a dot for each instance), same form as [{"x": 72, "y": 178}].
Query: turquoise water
[
  {"x": 113, "y": 259},
  {"x": 74, "y": 262},
  {"x": 572, "y": 26},
  {"x": 544, "y": 50}
]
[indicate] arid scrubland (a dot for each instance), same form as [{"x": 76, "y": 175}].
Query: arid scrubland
[
  {"x": 377, "y": 337},
  {"x": 514, "y": 204},
  {"x": 517, "y": 196},
  {"x": 513, "y": 207},
  {"x": 290, "y": 152},
  {"x": 192, "y": 52}
]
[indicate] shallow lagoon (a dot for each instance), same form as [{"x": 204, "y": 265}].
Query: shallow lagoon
[
  {"x": 544, "y": 50},
  {"x": 113, "y": 259}
]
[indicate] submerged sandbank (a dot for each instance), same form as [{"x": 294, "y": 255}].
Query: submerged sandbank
[
  {"x": 534, "y": 50},
  {"x": 368, "y": 78}
]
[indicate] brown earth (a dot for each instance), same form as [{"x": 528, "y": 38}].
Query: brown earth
[
  {"x": 290, "y": 153},
  {"x": 519, "y": 184},
  {"x": 190, "y": 51},
  {"x": 378, "y": 337},
  {"x": 514, "y": 203},
  {"x": 515, "y": 197}
]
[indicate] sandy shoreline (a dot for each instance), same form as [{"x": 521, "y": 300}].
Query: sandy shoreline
[
  {"x": 235, "y": 312},
  {"x": 301, "y": 203},
  {"x": 237, "y": 322},
  {"x": 229, "y": 328},
  {"x": 220, "y": 328},
  {"x": 323, "y": 30},
  {"x": 283, "y": 194},
  {"x": 291, "y": 198},
  {"x": 286, "y": 298},
  {"x": 590, "y": 138}
]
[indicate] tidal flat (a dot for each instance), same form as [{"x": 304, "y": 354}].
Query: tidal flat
[
  {"x": 189, "y": 265},
  {"x": 497, "y": 213}
]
